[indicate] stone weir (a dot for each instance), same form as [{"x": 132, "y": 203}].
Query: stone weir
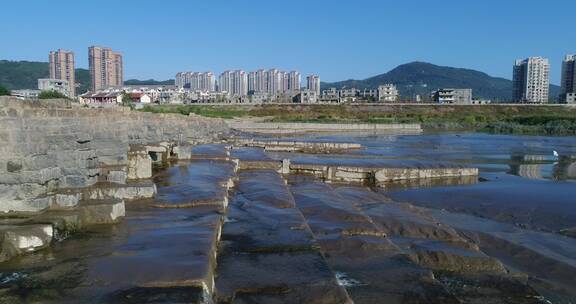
[
  {"x": 298, "y": 146},
  {"x": 295, "y": 128},
  {"x": 379, "y": 174},
  {"x": 67, "y": 166}
]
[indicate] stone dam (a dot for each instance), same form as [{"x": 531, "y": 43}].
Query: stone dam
[{"x": 118, "y": 206}]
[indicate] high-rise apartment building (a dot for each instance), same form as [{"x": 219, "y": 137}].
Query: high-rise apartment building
[
  {"x": 106, "y": 68},
  {"x": 531, "y": 81},
  {"x": 568, "y": 83},
  {"x": 196, "y": 81},
  {"x": 235, "y": 83},
  {"x": 274, "y": 81},
  {"x": 261, "y": 82},
  {"x": 61, "y": 64},
  {"x": 294, "y": 81},
  {"x": 314, "y": 83},
  {"x": 251, "y": 82}
]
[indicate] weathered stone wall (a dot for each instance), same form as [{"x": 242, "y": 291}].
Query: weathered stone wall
[{"x": 49, "y": 146}]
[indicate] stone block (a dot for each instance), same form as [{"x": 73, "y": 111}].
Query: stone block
[
  {"x": 67, "y": 200},
  {"x": 118, "y": 177},
  {"x": 14, "y": 166},
  {"x": 101, "y": 212},
  {"x": 17, "y": 240},
  {"x": 139, "y": 165},
  {"x": 124, "y": 192},
  {"x": 183, "y": 152}
]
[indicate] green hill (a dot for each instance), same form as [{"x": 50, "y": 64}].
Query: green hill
[
  {"x": 422, "y": 78},
  {"x": 149, "y": 82}
]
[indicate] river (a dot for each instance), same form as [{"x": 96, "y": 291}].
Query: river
[{"x": 508, "y": 234}]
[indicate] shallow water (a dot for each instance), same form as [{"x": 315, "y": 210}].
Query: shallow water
[
  {"x": 170, "y": 251},
  {"x": 521, "y": 182},
  {"x": 284, "y": 242}
]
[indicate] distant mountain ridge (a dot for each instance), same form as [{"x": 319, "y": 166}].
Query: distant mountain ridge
[
  {"x": 421, "y": 78},
  {"x": 149, "y": 82}
]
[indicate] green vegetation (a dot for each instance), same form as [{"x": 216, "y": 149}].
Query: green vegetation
[
  {"x": 4, "y": 91},
  {"x": 51, "y": 95},
  {"x": 204, "y": 110},
  {"x": 128, "y": 101},
  {"x": 82, "y": 81},
  {"x": 550, "y": 120}
]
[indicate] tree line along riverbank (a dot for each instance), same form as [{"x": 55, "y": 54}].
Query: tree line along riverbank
[{"x": 509, "y": 119}]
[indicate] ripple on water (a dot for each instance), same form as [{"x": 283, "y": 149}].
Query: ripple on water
[
  {"x": 346, "y": 281},
  {"x": 9, "y": 277}
]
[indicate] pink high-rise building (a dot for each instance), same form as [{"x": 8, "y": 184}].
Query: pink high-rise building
[{"x": 106, "y": 68}]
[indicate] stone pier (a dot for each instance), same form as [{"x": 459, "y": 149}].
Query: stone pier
[{"x": 377, "y": 176}]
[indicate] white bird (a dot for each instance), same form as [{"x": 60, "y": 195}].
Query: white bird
[{"x": 555, "y": 154}]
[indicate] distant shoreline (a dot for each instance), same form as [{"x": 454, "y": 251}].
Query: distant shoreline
[{"x": 549, "y": 119}]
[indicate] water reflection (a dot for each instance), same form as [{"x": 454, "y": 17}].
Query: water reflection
[
  {"x": 431, "y": 182},
  {"x": 566, "y": 168},
  {"x": 528, "y": 166},
  {"x": 542, "y": 167}
]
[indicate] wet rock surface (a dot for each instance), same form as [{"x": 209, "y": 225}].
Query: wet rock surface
[
  {"x": 156, "y": 255},
  {"x": 268, "y": 254},
  {"x": 414, "y": 248},
  {"x": 222, "y": 225}
]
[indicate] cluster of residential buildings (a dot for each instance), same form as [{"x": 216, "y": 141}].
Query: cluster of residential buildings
[
  {"x": 531, "y": 84},
  {"x": 263, "y": 85},
  {"x": 384, "y": 93}
]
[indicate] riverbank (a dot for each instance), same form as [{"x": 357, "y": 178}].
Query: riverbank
[{"x": 501, "y": 119}]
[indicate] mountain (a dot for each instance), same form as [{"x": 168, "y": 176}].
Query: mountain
[
  {"x": 83, "y": 81},
  {"x": 149, "y": 82},
  {"x": 422, "y": 78}
]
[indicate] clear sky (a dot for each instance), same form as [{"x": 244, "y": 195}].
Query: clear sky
[{"x": 336, "y": 39}]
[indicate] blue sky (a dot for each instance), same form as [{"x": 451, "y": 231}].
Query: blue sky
[{"x": 336, "y": 39}]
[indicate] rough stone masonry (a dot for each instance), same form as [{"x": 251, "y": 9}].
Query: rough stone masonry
[{"x": 48, "y": 147}]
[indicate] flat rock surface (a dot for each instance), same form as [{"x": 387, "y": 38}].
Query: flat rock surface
[{"x": 268, "y": 254}]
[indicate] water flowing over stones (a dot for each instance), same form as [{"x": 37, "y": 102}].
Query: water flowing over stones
[{"x": 196, "y": 214}]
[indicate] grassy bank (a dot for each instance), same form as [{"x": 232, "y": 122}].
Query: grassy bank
[{"x": 548, "y": 120}]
